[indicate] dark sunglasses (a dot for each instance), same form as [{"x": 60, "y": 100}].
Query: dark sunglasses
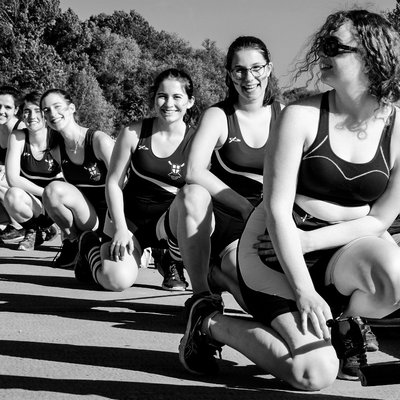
[{"x": 331, "y": 47}]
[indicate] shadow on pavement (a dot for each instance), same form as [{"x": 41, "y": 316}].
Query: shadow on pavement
[
  {"x": 124, "y": 313},
  {"x": 146, "y": 391}
]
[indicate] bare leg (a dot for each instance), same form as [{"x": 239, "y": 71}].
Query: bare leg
[
  {"x": 69, "y": 208},
  {"x": 304, "y": 361},
  {"x": 21, "y": 206},
  {"x": 226, "y": 277},
  {"x": 191, "y": 220},
  {"x": 368, "y": 270}
]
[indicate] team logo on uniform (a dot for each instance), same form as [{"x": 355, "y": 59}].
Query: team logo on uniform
[
  {"x": 233, "y": 139},
  {"x": 93, "y": 172},
  {"x": 175, "y": 173},
  {"x": 142, "y": 147},
  {"x": 50, "y": 164}
]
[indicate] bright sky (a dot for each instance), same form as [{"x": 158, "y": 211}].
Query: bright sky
[{"x": 284, "y": 25}]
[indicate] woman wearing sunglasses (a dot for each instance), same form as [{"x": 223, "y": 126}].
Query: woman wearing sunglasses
[
  {"x": 331, "y": 190},
  {"x": 232, "y": 137}
]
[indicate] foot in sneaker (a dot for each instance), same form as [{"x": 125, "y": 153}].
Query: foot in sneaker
[
  {"x": 370, "y": 339},
  {"x": 31, "y": 241},
  {"x": 348, "y": 339},
  {"x": 67, "y": 256},
  {"x": 196, "y": 350},
  {"x": 49, "y": 233},
  {"x": 10, "y": 234},
  {"x": 350, "y": 367},
  {"x": 172, "y": 271}
]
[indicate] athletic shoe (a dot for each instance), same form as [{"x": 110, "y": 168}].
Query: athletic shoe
[
  {"x": 350, "y": 367},
  {"x": 49, "y": 233},
  {"x": 11, "y": 235},
  {"x": 172, "y": 271},
  {"x": 82, "y": 270},
  {"x": 370, "y": 339},
  {"x": 196, "y": 350},
  {"x": 68, "y": 255},
  {"x": 31, "y": 241},
  {"x": 349, "y": 342}
]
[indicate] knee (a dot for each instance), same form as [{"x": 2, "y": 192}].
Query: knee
[
  {"x": 53, "y": 193},
  {"x": 117, "y": 276},
  {"x": 14, "y": 198},
  {"x": 386, "y": 282},
  {"x": 196, "y": 200},
  {"x": 315, "y": 372}
]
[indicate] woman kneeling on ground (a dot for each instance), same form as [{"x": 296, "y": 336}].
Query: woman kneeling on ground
[{"x": 331, "y": 191}]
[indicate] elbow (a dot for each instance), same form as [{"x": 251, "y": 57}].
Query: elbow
[
  {"x": 191, "y": 175},
  {"x": 276, "y": 212}
]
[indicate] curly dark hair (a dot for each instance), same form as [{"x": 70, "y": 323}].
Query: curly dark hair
[
  {"x": 272, "y": 91},
  {"x": 379, "y": 46}
]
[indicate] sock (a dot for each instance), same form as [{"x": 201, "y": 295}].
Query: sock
[
  {"x": 94, "y": 259},
  {"x": 173, "y": 250},
  {"x": 90, "y": 247},
  {"x": 44, "y": 221},
  {"x": 30, "y": 224}
]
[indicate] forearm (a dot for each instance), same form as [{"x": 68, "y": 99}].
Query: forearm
[
  {"x": 221, "y": 192},
  {"x": 26, "y": 185},
  {"x": 287, "y": 246},
  {"x": 115, "y": 202},
  {"x": 337, "y": 235}
]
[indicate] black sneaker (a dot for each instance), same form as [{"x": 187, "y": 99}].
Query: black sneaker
[
  {"x": 196, "y": 350},
  {"x": 172, "y": 271},
  {"x": 370, "y": 339},
  {"x": 49, "y": 234},
  {"x": 82, "y": 270},
  {"x": 348, "y": 339},
  {"x": 31, "y": 241},
  {"x": 68, "y": 255},
  {"x": 350, "y": 367},
  {"x": 11, "y": 235}
]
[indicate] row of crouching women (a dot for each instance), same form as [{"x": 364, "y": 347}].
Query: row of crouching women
[{"x": 286, "y": 208}]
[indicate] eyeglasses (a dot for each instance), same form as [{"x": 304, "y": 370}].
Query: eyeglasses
[
  {"x": 331, "y": 47},
  {"x": 240, "y": 72}
]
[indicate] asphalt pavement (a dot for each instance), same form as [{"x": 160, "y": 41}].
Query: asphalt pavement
[{"x": 62, "y": 340}]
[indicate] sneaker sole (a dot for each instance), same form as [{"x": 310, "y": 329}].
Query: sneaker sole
[
  {"x": 371, "y": 347},
  {"x": 71, "y": 265},
  {"x": 25, "y": 249},
  {"x": 346, "y": 377},
  {"x": 13, "y": 241},
  {"x": 174, "y": 288}
]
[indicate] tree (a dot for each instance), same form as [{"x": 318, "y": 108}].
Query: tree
[
  {"x": 107, "y": 62},
  {"x": 291, "y": 95},
  {"x": 92, "y": 108}
]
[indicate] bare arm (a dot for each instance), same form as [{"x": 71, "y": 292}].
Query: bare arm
[
  {"x": 124, "y": 147},
  {"x": 16, "y": 144},
  {"x": 103, "y": 145},
  {"x": 289, "y": 137},
  {"x": 212, "y": 133}
]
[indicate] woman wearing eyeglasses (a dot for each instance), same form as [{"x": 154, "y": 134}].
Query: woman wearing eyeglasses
[
  {"x": 232, "y": 137},
  {"x": 331, "y": 190}
]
